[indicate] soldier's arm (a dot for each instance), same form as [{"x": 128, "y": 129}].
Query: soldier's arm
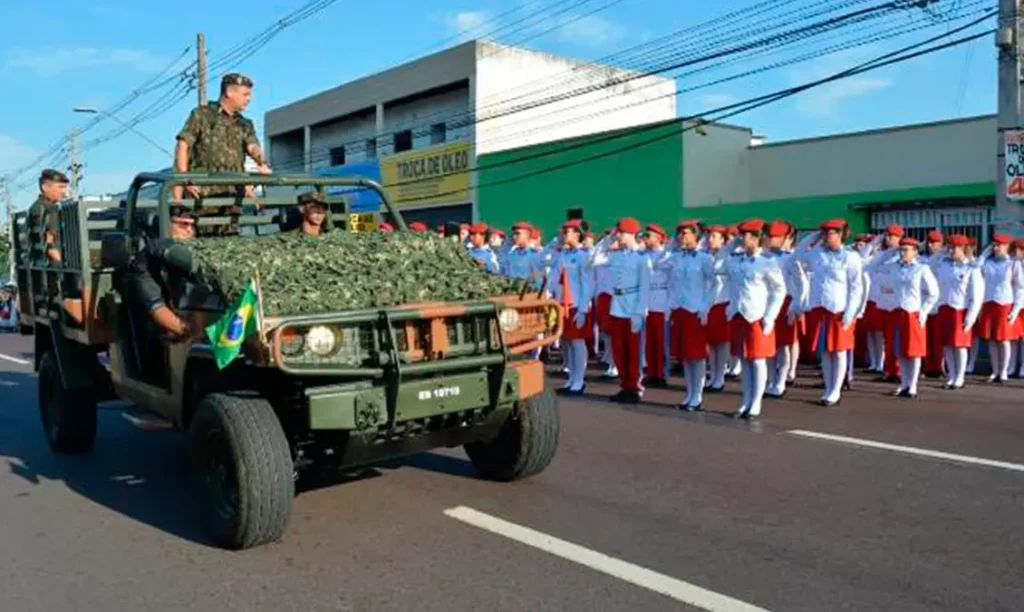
[
  {"x": 50, "y": 233},
  {"x": 147, "y": 291},
  {"x": 187, "y": 137},
  {"x": 253, "y": 148}
]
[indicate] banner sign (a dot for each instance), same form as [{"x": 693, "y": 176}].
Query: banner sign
[
  {"x": 1013, "y": 164},
  {"x": 362, "y": 222},
  {"x": 438, "y": 175}
]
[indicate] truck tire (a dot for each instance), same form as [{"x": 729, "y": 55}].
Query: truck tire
[
  {"x": 242, "y": 466},
  {"x": 68, "y": 416},
  {"x": 526, "y": 443}
]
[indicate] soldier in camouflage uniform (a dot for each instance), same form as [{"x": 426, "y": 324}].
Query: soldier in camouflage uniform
[
  {"x": 217, "y": 138},
  {"x": 43, "y": 217},
  {"x": 314, "y": 215}
]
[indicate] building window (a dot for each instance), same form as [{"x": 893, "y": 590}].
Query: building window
[
  {"x": 371, "y": 148},
  {"x": 438, "y": 133},
  {"x": 338, "y": 156},
  {"x": 403, "y": 141}
]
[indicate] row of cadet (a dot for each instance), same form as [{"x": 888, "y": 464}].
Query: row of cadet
[{"x": 720, "y": 300}]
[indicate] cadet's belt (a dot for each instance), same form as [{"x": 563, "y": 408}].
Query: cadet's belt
[
  {"x": 618, "y": 291},
  {"x": 659, "y": 287}
]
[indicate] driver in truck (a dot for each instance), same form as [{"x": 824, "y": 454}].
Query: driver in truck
[{"x": 145, "y": 279}]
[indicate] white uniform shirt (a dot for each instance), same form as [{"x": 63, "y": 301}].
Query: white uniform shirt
[
  {"x": 960, "y": 286},
  {"x": 1004, "y": 280},
  {"x": 575, "y": 261},
  {"x": 486, "y": 256},
  {"x": 519, "y": 262},
  {"x": 691, "y": 279},
  {"x": 757, "y": 287},
  {"x": 796, "y": 278},
  {"x": 657, "y": 299},
  {"x": 719, "y": 290},
  {"x": 631, "y": 279},
  {"x": 837, "y": 285},
  {"x": 880, "y": 267},
  {"x": 914, "y": 286},
  {"x": 603, "y": 280}
]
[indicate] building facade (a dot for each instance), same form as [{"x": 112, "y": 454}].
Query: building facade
[{"x": 420, "y": 128}]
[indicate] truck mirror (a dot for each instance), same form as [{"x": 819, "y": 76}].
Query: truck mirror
[{"x": 114, "y": 252}]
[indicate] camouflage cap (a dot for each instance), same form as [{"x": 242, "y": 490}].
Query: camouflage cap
[
  {"x": 54, "y": 176},
  {"x": 312, "y": 197},
  {"x": 235, "y": 78}
]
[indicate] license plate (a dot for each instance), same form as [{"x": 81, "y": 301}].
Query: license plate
[{"x": 440, "y": 393}]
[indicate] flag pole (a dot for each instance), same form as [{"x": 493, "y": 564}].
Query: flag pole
[{"x": 259, "y": 305}]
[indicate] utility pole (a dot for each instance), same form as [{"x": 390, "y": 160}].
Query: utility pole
[
  {"x": 201, "y": 68},
  {"x": 74, "y": 154},
  {"x": 1010, "y": 153}
]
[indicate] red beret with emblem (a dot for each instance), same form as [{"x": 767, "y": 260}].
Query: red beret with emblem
[
  {"x": 778, "y": 228},
  {"x": 834, "y": 224},
  {"x": 1001, "y": 239},
  {"x": 654, "y": 228},
  {"x": 628, "y": 225},
  {"x": 754, "y": 226}
]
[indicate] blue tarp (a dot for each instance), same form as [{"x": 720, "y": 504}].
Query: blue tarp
[{"x": 359, "y": 199}]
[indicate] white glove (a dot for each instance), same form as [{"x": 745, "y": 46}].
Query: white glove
[
  {"x": 636, "y": 324},
  {"x": 848, "y": 320},
  {"x": 767, "y": 326},
  {"x": 580, "y": 320},
  {"x": 1013, "y": 316},
  {"x": 969, "y": 323},
  {"x": 703, "y": 317},
  {"x": 922, "y": 317}
]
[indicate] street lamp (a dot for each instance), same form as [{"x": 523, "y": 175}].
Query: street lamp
[{"x": 95, "y": 111}]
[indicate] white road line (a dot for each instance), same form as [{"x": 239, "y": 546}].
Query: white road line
[
  {"x": 634, "y": 574},
  {"x": 910, "y": 450},
  {"x": 15, "y": 360}
]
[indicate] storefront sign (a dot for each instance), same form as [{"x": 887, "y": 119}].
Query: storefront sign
[
  {"x": 438, "y": 175},
  {"x": 1013, "y": 165},
  {"x": 362, "y": 222}
]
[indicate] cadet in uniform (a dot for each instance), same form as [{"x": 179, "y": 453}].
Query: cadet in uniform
[
  {"x": 1018, "y": 253},
  {"x": 479, "y": 250},
  {"x": 961, "y": 293},
  {"x": 888, "y": 257},
  {"x": 716, "y": 321},
  {"x": 217, "y": 138},
  {"x": 786, "y": 325},
  {"x": 570, "y": 281},
  {"x": 517, "y": 258},
  {"x": 833, "y": 302},
  {"x": 915, "y": 291},
  {"x": 932, "y": 366},
  {"x": 1004, "y": 298},
  {"x": 497, "y": 239},
  {"x": 656, "y": 325},
  {"x": 691, "y": 279},
  {"x": 631, "y": 278},
  {"x": 145, "y": 277},
  {"x": 313, "y": 207},
  {"x": 43, "y": 217}
]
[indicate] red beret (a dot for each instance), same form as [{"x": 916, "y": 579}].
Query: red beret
[
  {"x": 834, "y": 224},
  {"x": 778, "y": 229},
  {"x": 716, "y": 229},
  {"x": 895, "y": 230},
  {"x": 755, "y": 226},
  {"x": 865, "y": 237},
  {"x": 628, "y": 225},
  {"x": 959, "y": 240},
  {"x": 478, "y": 228},
  {"x": 497, "y": 232},
  {"x": 1001, "y": 239},
  {"x": 534, "y": 233},
  {"x": 908, "y": 241},
  {"x": 521, "y": 225},
  {"x": 1018, "y": 243},
  {"x": 733, "y": 229},
  {"x": 575, "y": 224},
  {"x": 418, "y": 226},
  {"x": 934, "y": 236},
  {"x": 386, "y": 227},
  {"x": 687, "y": 225},
  {"x": 654, "y": 228}
]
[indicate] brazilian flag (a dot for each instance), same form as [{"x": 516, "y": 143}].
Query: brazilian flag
[{"x": 238, "y": 323}]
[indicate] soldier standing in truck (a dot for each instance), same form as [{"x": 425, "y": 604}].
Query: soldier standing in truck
[
  {"x": 43, "y": 219},
  {"x": 217, "y": 138}
]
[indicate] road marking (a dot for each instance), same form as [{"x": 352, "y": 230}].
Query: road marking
[
  {"x": 666, "y": 585},
  {"x": 910, "y": 450},
  {"x": 15, "y": 359}
]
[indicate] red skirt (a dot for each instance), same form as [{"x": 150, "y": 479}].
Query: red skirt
[
  {"x": 571, "y": 332},
  {"x": 950, "y": 324},
  {"x": 749, "y": 341},
  {"x": 718, "y": 325},
  {"x": 689, "y": 338},
  {"x": 873, "y": 319},
  {"x": 786, "y": 334},
  {"x": 602, "y": 310},
  {"x": 994, "y": 323},
  {"x": 825, "y": 330},
  {"x": 911, "y": 337}
]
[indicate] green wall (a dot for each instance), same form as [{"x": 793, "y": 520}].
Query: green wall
[
  {"x": 644, "y": 182},
  {"x": 809, "y": 212}
]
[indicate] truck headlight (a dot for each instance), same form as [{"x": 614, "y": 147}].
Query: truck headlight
[
  {"x": 321, "y": 340},
  {"x": 509, "y": 320}
]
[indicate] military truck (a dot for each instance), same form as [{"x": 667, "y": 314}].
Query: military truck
[{"x": 400, "y": 380}]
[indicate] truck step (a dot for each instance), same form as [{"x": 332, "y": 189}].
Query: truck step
[{"x": 147, "y": 421}]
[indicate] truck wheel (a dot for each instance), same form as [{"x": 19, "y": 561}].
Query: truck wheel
[
  {"x": 242, "y": 464},
  {"x": 68, "y": 416},
  {"x": 526, "y": 443}
]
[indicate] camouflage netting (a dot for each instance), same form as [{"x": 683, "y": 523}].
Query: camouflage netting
[{"x": 345, "y": 271}]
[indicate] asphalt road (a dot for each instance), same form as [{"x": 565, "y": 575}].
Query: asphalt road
[{"x": 749, "y": 512}]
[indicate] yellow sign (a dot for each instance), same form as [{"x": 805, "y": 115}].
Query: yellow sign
[
  {"x": 438, "y": 175},
  {"x": 362, "y": 222}
]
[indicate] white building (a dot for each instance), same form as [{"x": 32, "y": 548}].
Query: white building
[{"x": 422, "y": 124}]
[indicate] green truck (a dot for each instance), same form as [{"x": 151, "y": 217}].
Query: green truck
[{"x": 403, "y": 380}]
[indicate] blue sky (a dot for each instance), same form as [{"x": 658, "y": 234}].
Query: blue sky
[{"x": 61, "y": 54}]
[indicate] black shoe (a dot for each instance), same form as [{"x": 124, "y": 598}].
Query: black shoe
[
  {"x": 697, "y": 408},
  {"x": 579, "y": 391},
  {"x": 737, "y": 414},
  {"x": 846, "y": 386},
  {"x": 749, "y": 417},
  {"x": 656, "y": 383},
  {"x": 618, "y": 397},
  {"x": 714, "y": 389},
  {"x": 776, "y": 396},
  {"x": 829, "y": 404},
  {"x": 630, "y": 397}
]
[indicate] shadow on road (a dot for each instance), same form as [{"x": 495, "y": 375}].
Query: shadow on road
[{"x": 142, "y": 475}]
